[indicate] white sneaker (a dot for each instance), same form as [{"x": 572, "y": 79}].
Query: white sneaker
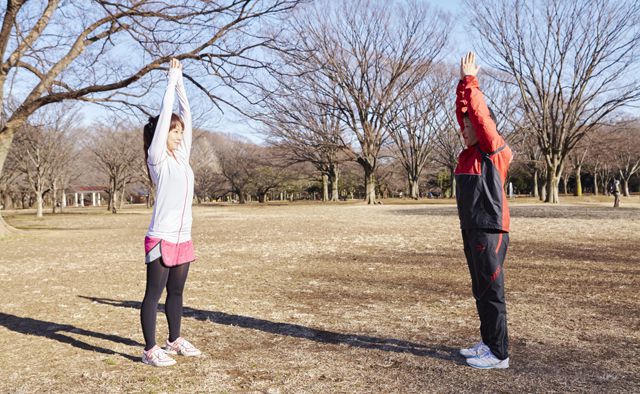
[
  {"x": 182, "y": 347},
  {"x": 487, "y": 361},
  {"x": 157, "y": 357},
  {"x": 474, "y": 351}
]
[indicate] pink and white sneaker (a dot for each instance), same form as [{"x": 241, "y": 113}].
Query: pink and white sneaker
[
  {"x": 157, "y": 357},
  {"x": 182, "y": 347}
]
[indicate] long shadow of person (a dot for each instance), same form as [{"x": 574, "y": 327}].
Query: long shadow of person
[
  {"x": 29, "y": 326},
  {"x": 298, "y": 331}
]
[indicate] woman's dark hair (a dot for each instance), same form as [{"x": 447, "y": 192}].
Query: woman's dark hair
[{"x": 150, "y": 130}]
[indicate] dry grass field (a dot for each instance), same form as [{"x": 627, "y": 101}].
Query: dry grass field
[{"x": 314, "y": 298}]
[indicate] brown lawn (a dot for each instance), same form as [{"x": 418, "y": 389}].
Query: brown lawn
[{"x": 322, "y": 299}]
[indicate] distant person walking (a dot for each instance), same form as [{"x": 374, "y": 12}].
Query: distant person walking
[
  {"x": 484, "y": 216},
  {"x": 168, "y": 246},
  {"x": 615, "y": 190}
]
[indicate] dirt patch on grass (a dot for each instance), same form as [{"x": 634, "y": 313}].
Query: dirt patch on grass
[{"x": 323, "y": 298}]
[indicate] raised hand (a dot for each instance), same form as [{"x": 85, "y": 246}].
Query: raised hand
[
  {"x": 468, "y": 65},
  {"x": 175, "y": 63}
]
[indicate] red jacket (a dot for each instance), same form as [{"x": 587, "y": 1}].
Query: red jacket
[{"x": 482, "y": 168}]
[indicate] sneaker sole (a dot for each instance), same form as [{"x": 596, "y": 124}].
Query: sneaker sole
[
  {"x": 174, "y": 353},
  {"x": 496, "y": 366},
  {"x": 159, "y": 365}
]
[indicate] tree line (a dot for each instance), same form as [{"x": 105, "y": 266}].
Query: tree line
[
  {"x": 53, "y": 157},
  {"x": 332, "y": 84}
]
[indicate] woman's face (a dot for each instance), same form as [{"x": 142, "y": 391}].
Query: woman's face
[{"x": 175, "y": 138}]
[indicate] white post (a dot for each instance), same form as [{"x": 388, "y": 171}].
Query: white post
[
  {"x": 510, "y": 190},
  {"x": 82, "y": 199},
  {"x": 75, "y": 198},
  {"x": 93, "y": 199},
  {"x": 99, "y": 200}
]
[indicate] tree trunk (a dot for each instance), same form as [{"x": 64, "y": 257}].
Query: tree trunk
[
  {"x": 54, "y": 197},
  {"x": 333, "y": 180},
  {"x": 578, "y": 191},
  {"x": 543, "y": 190},
  {"x": 595, "y": 183},
  {"x": 122, "y": 195},
  {"x": 564, "y": 184},
  {"x": 262, "y": 198},
  {"x": 535, "y": 184},
  {"x": 552, "y": 185},
  {"x": 554, "y": 170},
  {"x": 121, "y": 199},
  {"x": 113, "y": 197},
  {"x": 6, "y": 138},
  {"x": 114, "y": 201},
  {"x": 625, "y": 188},
  {"x": 241, "y": 197},
  {"x": 39, "y": 204},
  {"x": 325, "y": 187},
  {"x": 369, "y": 185},
  {"x": 414, "y": 188},
  {"x": 150, "y": 197}
]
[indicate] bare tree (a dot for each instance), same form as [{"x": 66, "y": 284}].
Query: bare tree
[
  {"x": 304, "y": 129},
  {"x": 532, "y": 157},
  {"x": 68, "y": 51},
  {"x": 34, "y": 152},
  {"x": 598, "y": 161},
  {"x": 269, "y": 172},
  {"x": 366, "y": 56},
  {"x": 237, "y": 160},
  {"x": 577, "y": 158},
  {"x": 391, "y": 176},
  {"x": 573, "y": 62},
  {"x": 448, "y": 145},
  {"x": 625, "y": 154},
  {"x": 63, "y": 124},
  {"x": 10, "y": 181},
  {"x": 42, "y": 152},
  {"x": 205, "y": 165},
  {"x": 118, "y": 153},
  {"x": 417, "y": 121}
]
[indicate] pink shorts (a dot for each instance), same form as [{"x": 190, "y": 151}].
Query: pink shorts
[{"x": 172, "y": 254}]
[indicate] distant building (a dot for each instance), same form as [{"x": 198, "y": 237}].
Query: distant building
[{"x": 80, "y": 196}]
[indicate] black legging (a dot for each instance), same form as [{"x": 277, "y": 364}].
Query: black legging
[{"x": 159, "y": 276}]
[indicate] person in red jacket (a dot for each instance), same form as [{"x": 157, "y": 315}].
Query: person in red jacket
[{"x": 484, "y": 216}]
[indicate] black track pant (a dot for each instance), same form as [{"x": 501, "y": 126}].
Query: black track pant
[
  {"x": 159, "y": 277},
  {"x": 485, "y": 252}
]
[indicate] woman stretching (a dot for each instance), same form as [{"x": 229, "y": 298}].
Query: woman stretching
[{"x": 168, "y": 246}]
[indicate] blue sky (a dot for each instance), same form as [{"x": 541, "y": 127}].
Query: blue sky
[{"x": 232, "y": 122}]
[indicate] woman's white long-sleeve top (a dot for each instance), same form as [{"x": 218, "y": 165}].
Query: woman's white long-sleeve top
[{"x": 172, "y": 174}]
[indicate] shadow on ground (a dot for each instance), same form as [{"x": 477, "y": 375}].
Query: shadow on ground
[
  {"x": 46, "y": 329},
  {"x": 298, "y": 331}
]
